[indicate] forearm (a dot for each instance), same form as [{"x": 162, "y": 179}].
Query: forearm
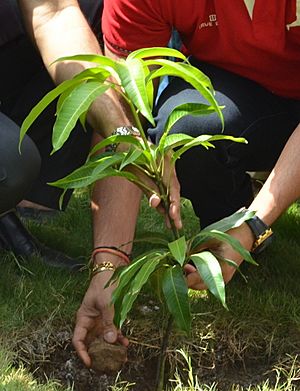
[
  {"x": 282, "y": 187},
  {"x": 115, "y": 208},
  {"x": 59, "y": 29}
]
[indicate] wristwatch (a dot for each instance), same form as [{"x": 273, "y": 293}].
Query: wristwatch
[
  {"x": 122, "y": 131},
  {"x": 262, "y": 232}
]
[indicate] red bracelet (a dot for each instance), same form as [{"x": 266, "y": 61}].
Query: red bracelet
[{"x": 111, "y": 250}]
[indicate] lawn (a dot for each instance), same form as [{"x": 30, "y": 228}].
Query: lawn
[{"x": 253, "y": 346}]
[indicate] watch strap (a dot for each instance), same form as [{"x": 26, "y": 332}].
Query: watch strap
[{"x": 262, "y": 232}]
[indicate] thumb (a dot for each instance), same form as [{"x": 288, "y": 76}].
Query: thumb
[{"x": 109, "y": 330}]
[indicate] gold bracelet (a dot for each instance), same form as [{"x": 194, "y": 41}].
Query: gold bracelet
[{"x": 102, "y": 267}]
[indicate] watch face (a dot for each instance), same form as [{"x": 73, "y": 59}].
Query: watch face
[{"x": 126, "y": 130}]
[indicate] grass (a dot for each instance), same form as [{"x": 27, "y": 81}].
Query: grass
[{"x": 252, "y": 347}]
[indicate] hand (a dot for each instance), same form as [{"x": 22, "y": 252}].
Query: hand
[
  {"x": 171, "y": 182},
  {"x": 222, "y": 250},
  {"x": 95, "y": 317}
]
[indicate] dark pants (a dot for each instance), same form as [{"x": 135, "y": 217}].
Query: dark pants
[
  {"x": 17, "y": 171},
  {"x": 216, "y": 180},
  {"x": 23, "y": 82}
]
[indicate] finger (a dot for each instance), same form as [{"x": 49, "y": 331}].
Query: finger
[
  {"x": 175, "y": 200},
  {"x": 175, "y": 214},
  {"x": 188, "y": 268},
  {"x": 123, "y": 340},
  {"x": 154, "y": 201},
  {"x": 79, "y": 345},
  {"x": 110, "y": 333},
  {"x": 194, "y": 281}
]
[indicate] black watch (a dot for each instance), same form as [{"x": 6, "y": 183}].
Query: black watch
[{"x": 262, "y": 232}]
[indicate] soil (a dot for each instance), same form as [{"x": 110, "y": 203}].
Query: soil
[
  {"x": 53, "y": 357},
  {"x": 107, "y": 358}
]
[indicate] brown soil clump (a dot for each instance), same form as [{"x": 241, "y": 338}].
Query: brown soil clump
[{"x": 107, "y": 358}]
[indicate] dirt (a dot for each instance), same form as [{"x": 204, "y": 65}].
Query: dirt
[
  {"x": 53, "y": 357},
  {"x": 107, "y": 358}
]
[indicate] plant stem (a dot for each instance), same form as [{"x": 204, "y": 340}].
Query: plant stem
[
  {"x": 166, "y": 205},
  {"x": 160, "y": 375}
]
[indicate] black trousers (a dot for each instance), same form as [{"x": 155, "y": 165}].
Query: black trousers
[
  {"x": 216, "y": 180},
  {"x": 23, "y": 82},
  {"x": 17, "y": 170}
]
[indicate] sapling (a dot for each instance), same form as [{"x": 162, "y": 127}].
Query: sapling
[{"x": 133, "y": 79}]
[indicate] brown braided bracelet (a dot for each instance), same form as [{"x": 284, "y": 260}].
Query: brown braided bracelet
[{"x": 111, "y": 250}]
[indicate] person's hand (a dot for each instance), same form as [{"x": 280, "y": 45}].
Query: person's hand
[
  {"x": 221, "y": 250},
  {"x": 170, "y": 182},
  {"x": 95, "y": 317}
]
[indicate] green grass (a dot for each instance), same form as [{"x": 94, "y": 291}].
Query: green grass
[{"x": 252, "y": 347}]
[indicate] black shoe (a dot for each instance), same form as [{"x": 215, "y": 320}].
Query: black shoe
[
  {"x": 15, "y": 237},
  {"x": 38, "y": 215}
]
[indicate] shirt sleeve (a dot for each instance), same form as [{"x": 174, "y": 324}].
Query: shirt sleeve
[{"x": 134, "y": 24}]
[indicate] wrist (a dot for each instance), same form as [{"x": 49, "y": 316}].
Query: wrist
[
  {"x": 100, "y": 258},
  {"x": 244, "y": 235},
  {"x": 261, "y": 232}
]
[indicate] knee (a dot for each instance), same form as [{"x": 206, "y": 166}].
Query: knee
[{"x": 18, "y": 170}]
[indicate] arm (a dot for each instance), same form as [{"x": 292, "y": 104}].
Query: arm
[
  {"x": 280, "y": 190},
  {"x": 59, "y": 29}
]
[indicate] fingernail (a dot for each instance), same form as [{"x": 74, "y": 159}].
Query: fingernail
[
  {"x": 150, "y": 200},
  {"x": 109, "y": 336}
]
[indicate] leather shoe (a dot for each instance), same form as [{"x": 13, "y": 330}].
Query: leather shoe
[
  {"x": 14, "y": 237},
  {"x": 38, "y": 215}
]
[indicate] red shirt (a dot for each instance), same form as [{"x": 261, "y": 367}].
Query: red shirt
[{"x": 261, "y": 43}]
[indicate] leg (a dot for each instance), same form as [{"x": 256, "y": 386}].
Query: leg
[
  {"x": 17, "y": 102},
  {"x": 216, "y": 180},
  {"x": 20, "y": 93},
  {"x": 17, "y": 171}
]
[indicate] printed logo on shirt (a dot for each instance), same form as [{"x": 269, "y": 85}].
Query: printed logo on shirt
[
  {"x": 211, "y": 22},
  {"x": 296, "y": 22}
]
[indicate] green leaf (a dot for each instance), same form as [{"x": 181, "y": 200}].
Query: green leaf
[
  {"x": 176, "y": 296},
  {"x": 156, "y": 283},
  {"x": 183, "y": 70},
  {"x": 204, "y": 236},
  {"x": 178, "y": 249},
  {"x": 98, "y": 59},
  {"x": 176, "y": 140},
  {"x": 116, "y": 139},
  {"x": 190, "y": 74},
  {"x": 156, "y": 52},
  {"x": 76, "y": 180},
  {"x": 124, "y": 277},
  {"x": 72, "y": 108},
  {"x": 127, "y": 274},
  {"x": 43, "y": 103},
  {"x": 205, "y": 140},
  {"x": 232, "y": 221},
  {"x": 210, "y": 271},
  {"x": 130, "y": 157},
  {"x": 132, "y": 76},
  {"x": 152, "y": 237},
  {"x": 181, "y": 111},
  {"x": 142, "y": 276}
]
